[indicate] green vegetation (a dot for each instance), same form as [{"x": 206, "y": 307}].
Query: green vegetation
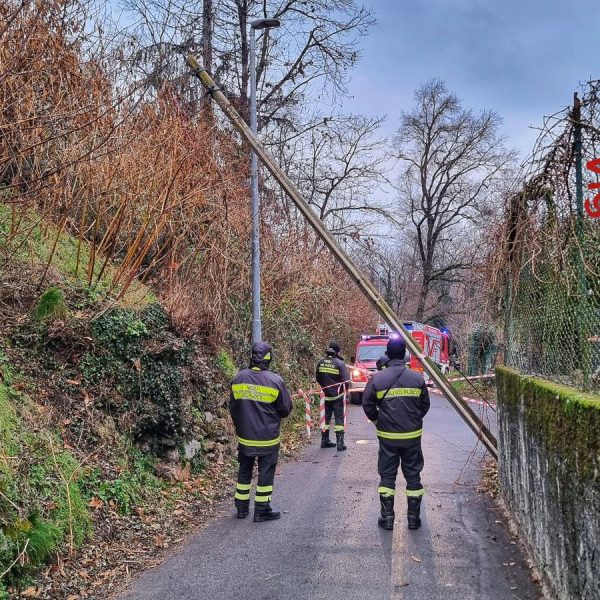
[
  {"x": 51, "y": 305},
  {"x": 565, "y": 421},
  {"x": 136, "y": 483},
  {"x": 226, "y": 365},
  {"x": 45, "y": 492},
  {"x": 136, "y": 365},
  {"x": 36, "y": 242},
  {"x": 43, "y": 537},
  {"x": 44, "y": 509}
]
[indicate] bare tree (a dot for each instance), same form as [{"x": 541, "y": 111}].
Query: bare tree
[
  {"x": 336, "y": 162},
  {"x": 301, "y": 69},
  {"x": 452, "y": 157},
  {"x": 310, "y": 54}
]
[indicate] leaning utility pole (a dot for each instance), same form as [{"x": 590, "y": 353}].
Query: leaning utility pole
[{"x": 367, "y": 288}]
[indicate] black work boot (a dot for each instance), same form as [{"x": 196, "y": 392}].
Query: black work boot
[
  {"x": 414, "y": 511},
  {"x": 325, "y": 442},
  {"x": 339, "y": 435},
  {"x": 386, "y": 520},
  {"x": 264, "y": 512},
  {"x": 243, "y": 508}
]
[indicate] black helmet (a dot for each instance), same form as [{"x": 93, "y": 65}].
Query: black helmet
[
  {"x": 334, "y": 348},
  {"x": 262, "y": 354},
  {"x": 396, "y": 348}
]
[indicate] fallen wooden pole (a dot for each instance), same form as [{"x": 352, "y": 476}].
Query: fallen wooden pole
[{"x": 367, "y": 288}]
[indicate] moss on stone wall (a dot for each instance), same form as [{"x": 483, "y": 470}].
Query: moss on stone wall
[
  {"x": 549, "y": 468},
  {"x": 566, "y": 422}
]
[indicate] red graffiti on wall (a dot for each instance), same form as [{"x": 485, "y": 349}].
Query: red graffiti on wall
[{"x": 592, "y": 207}]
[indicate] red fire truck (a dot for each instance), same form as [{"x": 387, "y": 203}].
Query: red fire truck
[{"x": 435, "y": 343}]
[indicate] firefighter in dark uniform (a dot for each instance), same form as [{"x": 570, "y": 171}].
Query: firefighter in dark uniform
[
  {"x": 396, "y": 399},
  {"x": 258, "y": 402},
  {"x": 333, "y": 377}
]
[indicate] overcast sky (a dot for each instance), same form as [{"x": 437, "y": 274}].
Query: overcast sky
[{"x": 522, "y": 58}]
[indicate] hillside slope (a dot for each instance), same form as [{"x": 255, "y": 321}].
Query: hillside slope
[{"x": 114, "y": 434}]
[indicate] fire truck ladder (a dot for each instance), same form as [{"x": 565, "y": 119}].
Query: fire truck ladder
[{"x": 367, "y": 288}]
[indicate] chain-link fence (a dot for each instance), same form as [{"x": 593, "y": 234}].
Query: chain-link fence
[{"x": 549, "y": 268}]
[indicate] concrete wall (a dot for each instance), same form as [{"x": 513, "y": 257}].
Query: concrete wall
[{"x": 549, "y": 447}]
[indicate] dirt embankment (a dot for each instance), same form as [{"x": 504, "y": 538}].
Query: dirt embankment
[{"x": 115, "y": 438}]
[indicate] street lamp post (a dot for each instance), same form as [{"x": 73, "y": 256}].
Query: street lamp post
[{"x": 256, "y": 315}]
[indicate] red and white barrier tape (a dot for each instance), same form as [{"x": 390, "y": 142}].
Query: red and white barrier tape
[
  {"x": 479, "y": 402},
  {"x": 307, "y": 417},
  {"x": 488, "y": 376},
  {"x": 307, "y": 396}
]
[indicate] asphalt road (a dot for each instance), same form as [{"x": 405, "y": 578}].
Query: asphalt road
[{"x": 327, "y": 543}]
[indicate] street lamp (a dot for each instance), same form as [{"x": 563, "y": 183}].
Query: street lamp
[{"x": 256, "y": 317}]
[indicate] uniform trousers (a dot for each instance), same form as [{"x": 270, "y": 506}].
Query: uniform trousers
[
  {"x": 266, "y": 476},
  {"x": 335, "y": 408},
  {"x": 410, "y": 458}
]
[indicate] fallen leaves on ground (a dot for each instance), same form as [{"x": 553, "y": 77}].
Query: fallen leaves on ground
[
  {"x": 124, "y": 545},
  {"x": 95, "y": 503}
]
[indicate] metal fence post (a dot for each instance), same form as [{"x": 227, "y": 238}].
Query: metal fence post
[{"x": 579, "y": 250}]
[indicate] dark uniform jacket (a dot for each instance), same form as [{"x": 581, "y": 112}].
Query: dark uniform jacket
[
  {"x": 331, "y": 374},
  {"x": 397, "y": 399},
  {"x": 258, "y": 402}
]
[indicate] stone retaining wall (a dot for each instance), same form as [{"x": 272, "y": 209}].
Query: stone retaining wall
[{"x": 549, "y": 462}]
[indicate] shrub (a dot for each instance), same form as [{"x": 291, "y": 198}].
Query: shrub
[
  {"x": 139, "y": 357},
  {"x": 226, "y": 365},
  {"x": 44, "y": 537},
  {"x": 51, "y": 305}
]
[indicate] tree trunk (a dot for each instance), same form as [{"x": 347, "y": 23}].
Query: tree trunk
[
  {"x": 420, "y": 312},
  {"x": 207, "y": 49},
  {"x": 245, "y": 59}
]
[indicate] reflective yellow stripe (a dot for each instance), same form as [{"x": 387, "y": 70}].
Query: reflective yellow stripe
[
  {"x": 264, "y": 489},
  {"x": 339, "y": 428},
  {"x": 332, "y": 398},
  {"x": 394, "y": 392},
  {"x": 409, "y": 435},
  {"x": 415, "y": 493},
  {"x": 259, "y": 393},
  {"x": 239, "y": 496},
  {"x": 256, "y": 368},
  {"x": 329, "y": 370},
  {"x": 386, "y": 491},
  {"x": 259, "y": 443},
  {"x": 262, "y": 498},
  {"x": 243, "y": 486}
]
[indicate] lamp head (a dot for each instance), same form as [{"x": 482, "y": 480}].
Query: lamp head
[{"x": 265, "y": 23}]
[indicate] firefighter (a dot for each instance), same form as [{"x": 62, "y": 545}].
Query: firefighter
[
  {"x": 333, "y": 377},
  {"x": 396, "y": 399},
  {"x": 258, "y": 402}
]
